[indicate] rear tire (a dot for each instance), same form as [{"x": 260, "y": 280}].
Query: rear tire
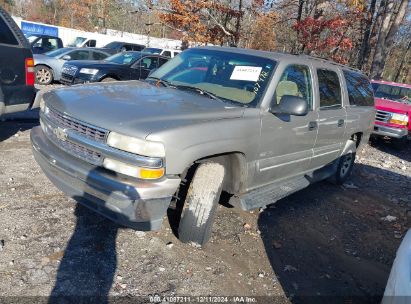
[
  {"x": 44, "y": 75},
  {"x": 201, "y": 204},
  {"x": 344, "y": 168}
]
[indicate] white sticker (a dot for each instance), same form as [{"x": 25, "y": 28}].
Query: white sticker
[{"x": 248, "y": 73}]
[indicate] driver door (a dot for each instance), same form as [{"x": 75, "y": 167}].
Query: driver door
[
  {"x": 142, "y": 68},
  {"x": 287, "y": 141}
]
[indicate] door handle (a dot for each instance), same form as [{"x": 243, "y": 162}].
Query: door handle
[
  {"x": 341, "y": 123},
  {"x": 312, "y": 125}
]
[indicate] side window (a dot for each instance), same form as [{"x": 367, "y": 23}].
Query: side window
[
  {"x": 359, "y": 89},
  {"x": 91, "y": 43},
  {"x": 162, "y": 61},
  {"x": 50, "y": 44},
  {"x": 295, "y": 81},
  {"x": 330, "y": 89},
  {"x": 127, "y": 47},
  {"x": 79, "y": 55},
  {"x": 98, "y": 56},
  {"x": 167, "y": 54},
  {"x": 150, "y": 62},
  {"x": 6, "y": 35}
]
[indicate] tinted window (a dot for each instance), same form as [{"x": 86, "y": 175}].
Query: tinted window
[
  {"x": 330, "y": 89},
  {"x": 359, "y": 89},
  {"x": 167, "y": 54},
  {"x": 295, "y": 81},
  {"x": 79, "y": 55},
  {"x": 48, "y": 44},
  {"x": 150, "y": 62},
  {"x": 98, "y": 56},
  {"x": 6, "y": 35},
  {"x": 162, "y": 61},
  {"x": 124, "y": 58}
]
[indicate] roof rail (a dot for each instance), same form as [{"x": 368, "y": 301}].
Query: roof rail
[{"x": 326, "y": 60}]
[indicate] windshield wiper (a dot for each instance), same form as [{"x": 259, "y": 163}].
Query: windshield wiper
[
  {"x": 159, "y": 80},
  {"x": 198, "y": 90}
]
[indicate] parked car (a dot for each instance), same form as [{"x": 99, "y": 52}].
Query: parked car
[
  {"x": 257, "y": 125},
  {"x": 82, "y": 42},
  {"x": 42, "y": 43},
  {"x": 119, "y": 46},
  {"x": 48, "y": 65},
  {"x": 121, "y": 66},
  {"x": 393, "y": 104},
  {"x": 398, "y": 289},
  {"x": 164, "y": 52},
  {"x": 16, "y": 67}
]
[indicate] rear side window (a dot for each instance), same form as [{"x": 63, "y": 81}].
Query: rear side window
[
  {"x": 98, "y": 55},
  {"x": 359, "y": 89},
  {"x": 330, "y": 89},
  {"x": 79, "y": 55},
  {"x": 6, "y": 35}
]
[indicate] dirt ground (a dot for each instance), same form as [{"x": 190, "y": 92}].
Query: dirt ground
[{"x": 326, "y": 243}]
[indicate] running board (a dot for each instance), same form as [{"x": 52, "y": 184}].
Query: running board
[{"x": 269, "y": 194}]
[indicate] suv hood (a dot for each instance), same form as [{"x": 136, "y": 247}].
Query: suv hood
[
  {"x": 392, "y": 106},
  {"x": 137, "y": 108}
]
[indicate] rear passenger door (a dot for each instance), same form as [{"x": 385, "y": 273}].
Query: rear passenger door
[
  {"x": 331, "y": 117},
  {"x": 287, "y": 141}
]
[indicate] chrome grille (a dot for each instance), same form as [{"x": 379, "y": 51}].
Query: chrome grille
[
  {"x": 80, "y": 128},
  {"x": 383, "y": 116},
  {"x": 78, "y": 151}
]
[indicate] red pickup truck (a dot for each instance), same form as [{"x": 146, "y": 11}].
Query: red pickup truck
[{"x": 393, "y": 104}]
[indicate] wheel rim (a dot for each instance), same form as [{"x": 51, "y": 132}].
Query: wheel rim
[
  {"x": 43, "y": 76},
  {"x": 346, "y": 164}
]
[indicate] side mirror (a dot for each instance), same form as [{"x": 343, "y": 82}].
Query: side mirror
[
  {"x": 291, "y": 105},
  {"x": 66, "y": 57}
]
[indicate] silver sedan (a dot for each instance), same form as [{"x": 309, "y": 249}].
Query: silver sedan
[{"x": 48, "y": 65}]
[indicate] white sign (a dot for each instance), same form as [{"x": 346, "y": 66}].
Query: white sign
[{"x": 248, "y": 73}]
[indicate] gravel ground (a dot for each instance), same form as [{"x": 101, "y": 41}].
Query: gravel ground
[{"x": 321, "y": 242}]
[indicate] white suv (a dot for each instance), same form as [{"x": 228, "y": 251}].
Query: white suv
[{"x": 164, "y": 52}]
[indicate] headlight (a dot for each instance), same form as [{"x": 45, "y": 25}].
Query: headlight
[
  {"x": 126, "y": 169},
  {"x": 399, "y": 119},
  {"x": 89, "y": 71},
  {"x": 135, "y": 145}
]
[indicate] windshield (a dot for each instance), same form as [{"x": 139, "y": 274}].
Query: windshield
[
  {"x": 392, "y": 92},
  {"x": 77, "y": 41},
  {"x": 152, "y": 50},
  {"x": 31, "y": 38},
  {"x": 124, "y": 58},
  {"x": 57, "y": 52},
  {"x": 229, "y": 76},
  {"x": 113, "y": 45}
]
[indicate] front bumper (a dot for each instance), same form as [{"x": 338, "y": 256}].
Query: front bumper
[
  {"x": 390, "y": 132},
  {"x": 137, "y": 204}
]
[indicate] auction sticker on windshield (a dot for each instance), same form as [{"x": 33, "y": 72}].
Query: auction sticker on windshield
[{"x": 248, "y": 73}]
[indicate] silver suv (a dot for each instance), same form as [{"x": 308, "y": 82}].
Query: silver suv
[{"x": 257, "y": 125}]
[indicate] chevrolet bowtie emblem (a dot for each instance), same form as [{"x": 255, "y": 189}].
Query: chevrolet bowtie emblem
[{"x": 60, "y": 134}]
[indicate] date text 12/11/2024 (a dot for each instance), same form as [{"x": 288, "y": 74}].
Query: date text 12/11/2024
[{"x": 201, "y": 299}]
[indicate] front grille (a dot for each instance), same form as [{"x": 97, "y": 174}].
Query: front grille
[
  {"x": 66, "y": 78},
  {"x": 382, "y": 116},
  {"x": 78, "y": 151},
  {"x": 86, "y": 130}
]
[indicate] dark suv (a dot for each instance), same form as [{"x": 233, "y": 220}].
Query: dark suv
[
  {"x": 120, "y": 46},
  {"x": 16, "y": 67}
]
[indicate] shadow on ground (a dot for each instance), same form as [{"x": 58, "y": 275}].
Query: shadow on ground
[
  {"x": 11, "y": 128},
  {"x": 327, "y": 244},
  {"x": 402, "y": 151}
]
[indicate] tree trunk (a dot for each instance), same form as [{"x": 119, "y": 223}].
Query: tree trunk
[
  {"x": 389, "y": 27},
  {"x": 403, "y": 60},
  {"x": 365, "y": 45}
]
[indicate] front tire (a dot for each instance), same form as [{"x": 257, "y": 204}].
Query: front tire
[
  {"x": 201, "y": 204},
  {"x": 44, "y": 75}
]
